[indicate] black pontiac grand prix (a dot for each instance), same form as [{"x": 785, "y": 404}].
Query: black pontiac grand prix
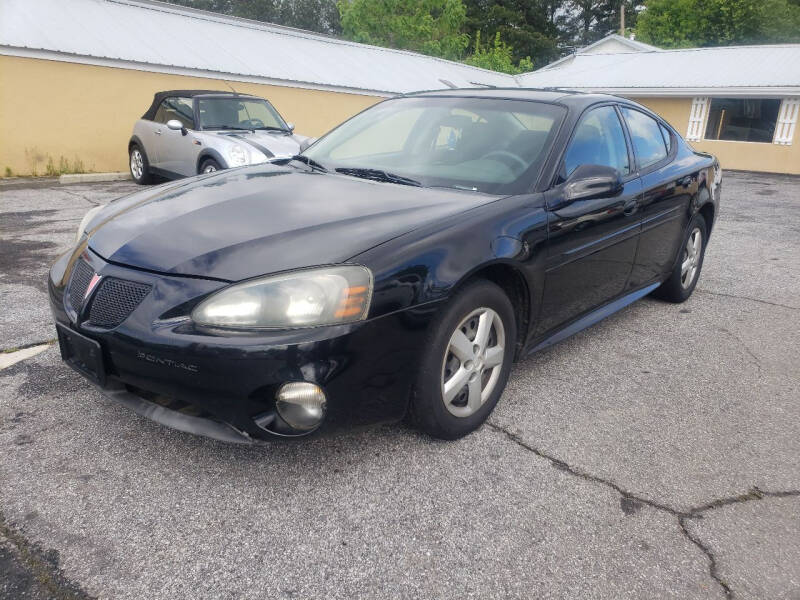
[{"x": 397, "y": 267}]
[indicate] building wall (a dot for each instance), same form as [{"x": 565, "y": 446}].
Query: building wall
[
  {"x": 52, "y": 109},
  {"x": 744, "y": 156}
]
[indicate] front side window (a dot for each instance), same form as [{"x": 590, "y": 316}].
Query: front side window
[
  {"x": 742, "y": 119},
  {"x": 238, "y": 113},
  {"x": 598, "y": 140},
  {"x": 648, "y": 141},
  {"x": 176, "y": 108},
  {"x": 480, "y": 144}
]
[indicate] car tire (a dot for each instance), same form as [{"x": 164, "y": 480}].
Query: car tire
[
  {"x": 209, "y": 165},
  {"x": 461, "y": 378},
  {"x": 139, "y": 165},
  {"x": 683, "y": 279}
]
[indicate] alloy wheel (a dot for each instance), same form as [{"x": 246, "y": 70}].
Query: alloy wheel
[
  {"x": 691, "y": 257},
  {"x": 473, "y": 362},
  {"x": 137, "y": 164},
  {"x": 209, "y": 169}
]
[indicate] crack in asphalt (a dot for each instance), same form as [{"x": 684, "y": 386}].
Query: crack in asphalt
[
  {"x": 41, "y": 565},
  {"x": 630, "y": 502},
  {"x": 747, "y": 298},
  {"x": 25, "y": 346},
  {"x": 82, "y": 197},
  {"x": 746, "y": 348}
]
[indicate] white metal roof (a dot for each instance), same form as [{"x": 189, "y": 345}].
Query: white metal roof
[
  {"x": 150, "y": 35},
  {"x": 611, "y": 44},
  {"x": 733, "y": 70}
]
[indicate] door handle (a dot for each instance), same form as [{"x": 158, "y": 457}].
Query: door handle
[
  {"x": 629, "y": 207},
  {"x": 158, "y": 132}
]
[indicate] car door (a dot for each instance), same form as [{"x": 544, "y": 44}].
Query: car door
[
  {"x": 177, "y": 150},
  {"x": 591, "y": 242},
  {"x": 667, "y": 189}
]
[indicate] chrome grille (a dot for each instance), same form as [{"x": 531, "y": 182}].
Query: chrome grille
[
  {"x": 78, "y": 284},
  {"x": 114, "y": 300}
]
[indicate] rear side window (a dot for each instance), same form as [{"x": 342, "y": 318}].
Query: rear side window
[
  {"x": 598, "y": 140},
  {"x": 176, "y": 108},
  {"x": 667, "y": 137},
  {"x": 648, "y": 141}
]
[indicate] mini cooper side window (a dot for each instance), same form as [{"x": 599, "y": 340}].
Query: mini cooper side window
[
  {"x": 598, "y": 140},
  {"x": 176, "y": 108},
  {"x": 648, "y": 142}
]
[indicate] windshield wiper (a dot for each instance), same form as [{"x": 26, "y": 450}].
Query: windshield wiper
[
  {"x": 230, "y": 127},
  {"x": 270, "y": 128},
  {"x": 377, "y": 175},
  {"x": 310, "y": 162}
]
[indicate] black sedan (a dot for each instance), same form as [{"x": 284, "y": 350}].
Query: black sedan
[{"x": 396, "y": 268}]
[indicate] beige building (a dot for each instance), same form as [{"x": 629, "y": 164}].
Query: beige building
[
  {"x": 740, "y": 103},
  {"x": 76, "y": 74}
]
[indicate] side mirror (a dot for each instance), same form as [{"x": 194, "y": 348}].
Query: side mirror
[
  {"x": 306, "y": 143},
  {"x": 290, "y": 126},
  {"x": 592, "y": 181},
  {"x": 176, "y": 125}
]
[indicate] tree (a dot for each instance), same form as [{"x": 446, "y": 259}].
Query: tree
[
  {"x": 687, "y": 23},
  {"x": 585, "y": 21},
  {"x": 321, "y": 16},
  {"x": 527, "y": 26},
  {"x": 433, "y": 27},
  {"x": 497, "y": 57}
]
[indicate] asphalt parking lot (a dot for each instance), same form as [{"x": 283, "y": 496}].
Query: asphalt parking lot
[{"x": 654, "y": 455}]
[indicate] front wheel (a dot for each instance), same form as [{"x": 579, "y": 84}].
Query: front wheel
[
  {"x": 684, "y": 276},
  {"x": 466, "y": 362},
  {"x": 210, "y": 166}
]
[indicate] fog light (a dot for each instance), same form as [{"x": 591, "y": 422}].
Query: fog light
[{"x": 301, "y": 404}]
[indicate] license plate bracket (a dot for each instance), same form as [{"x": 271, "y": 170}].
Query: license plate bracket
[{"x": 83, "y": 354}]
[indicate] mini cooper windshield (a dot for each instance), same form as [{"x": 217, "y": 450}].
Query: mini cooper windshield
[
  {"x": 238, "y": 113},
  {"x": 486, "y": 145}
]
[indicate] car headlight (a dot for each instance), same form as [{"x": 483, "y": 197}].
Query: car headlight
[
  {"x": 237, "y": 156},
  {"x": 85, "y": 221},
  {"x": 307, "y": 298}
]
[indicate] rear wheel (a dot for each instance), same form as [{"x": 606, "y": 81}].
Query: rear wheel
[
  {"x": 466, "y": 362},
  {"x": 139, "y": 165},
  {"x": 682, "y": 281},
  {"x": 210, "y": 166}
]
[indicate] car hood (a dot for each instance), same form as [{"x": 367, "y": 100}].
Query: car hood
[
  {"x": 270, "y": 144},
  {"x": 263, "y": 219}
]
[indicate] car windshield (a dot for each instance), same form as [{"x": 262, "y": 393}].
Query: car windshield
[
  {"x": 238, "y": 113},
  {"x": 482, "y": 144}
]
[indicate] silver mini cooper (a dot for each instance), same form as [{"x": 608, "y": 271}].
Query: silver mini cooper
[{"x": 187, "y": 132}]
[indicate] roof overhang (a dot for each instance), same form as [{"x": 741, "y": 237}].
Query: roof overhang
[
  {"x": 727, "y": 92},
  {"x": 173, "y": 70}
]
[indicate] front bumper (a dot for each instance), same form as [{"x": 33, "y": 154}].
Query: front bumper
[{"x": 157, "y": 360}]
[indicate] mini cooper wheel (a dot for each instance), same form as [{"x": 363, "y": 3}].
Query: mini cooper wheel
[
  {"x": 682, "y": 281},
  {"x": 139, "y": 165},
  {"x": 466, "y": 363},
  {"x": 210, "y": 166}
]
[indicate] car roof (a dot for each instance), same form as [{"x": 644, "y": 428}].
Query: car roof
[
  {"x": 561, "y": 96},
  {"x": 159, "y": 97}
]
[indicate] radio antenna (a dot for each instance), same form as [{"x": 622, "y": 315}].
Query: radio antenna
[{"x": 230, "y": 86}]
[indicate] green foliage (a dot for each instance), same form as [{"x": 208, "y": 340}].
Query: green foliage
[
  {"x": 689, "y": 23},
  {"x": 9, "y": 172},
  {"x": 64, "y": 166},
  {"x": 582, "y": 22},
  {"x": 497, "y": 57},
  {"x": 527, "y": 26},
  {"x": 433, "y": 27},
  {"x": 321, "y": 16}
]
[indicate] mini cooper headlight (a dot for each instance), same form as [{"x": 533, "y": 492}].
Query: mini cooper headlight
[
  {"x": 307, "y": 298},
  {"x": 85, "y": 221},
  {"x": 237, "y": 156}
]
